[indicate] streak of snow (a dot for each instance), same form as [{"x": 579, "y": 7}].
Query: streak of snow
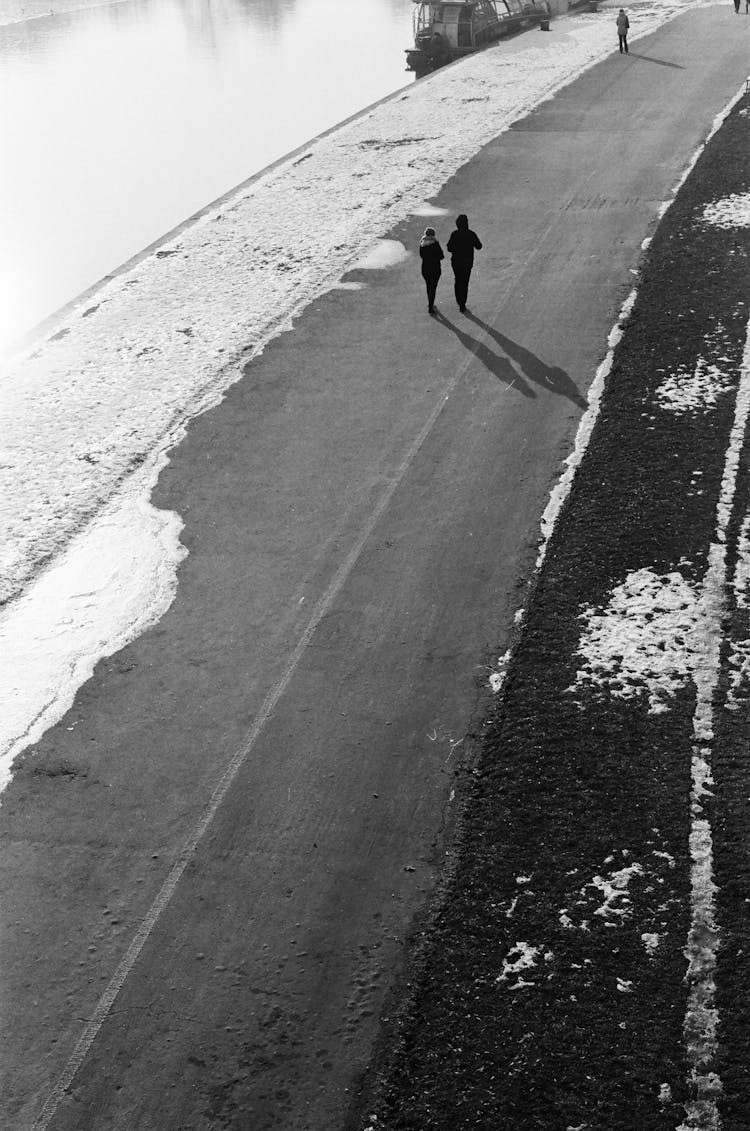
[
  {"x": 624, "y": 986},
  {"x": 383, "y": 254},
  {"x": 52, "y": 636},
  {"x": 520, "y": 957},
  {"x": 643, "y": 642},
  {"x": 617, "y": 903},
  {"x": 651, "y": 941},
  {"x": 730, "y": 212},
  {"x": 682, "y": 392},
  {"x": 738, "y": 659},
  {"x": 615, "y": 891},
  {"x": 702, "y": 1015},
  {"x": 497, "y": 677},
  {"x": 427, "y": 209}
]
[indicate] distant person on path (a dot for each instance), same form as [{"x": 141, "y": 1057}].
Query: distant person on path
[
  {"x": 623, "y": 24},
  {"x": 737, "y": 6},
  {"x": 430, "y": 252},
  {"x": 462, "y": 245}
]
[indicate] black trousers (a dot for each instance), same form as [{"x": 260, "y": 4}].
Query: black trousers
[
  {"x": 461, "y": 276},
  {"x": 623, "y": 43},
  {"x": 431, "y": 282}
]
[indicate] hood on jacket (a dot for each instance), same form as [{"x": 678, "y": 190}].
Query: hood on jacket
[{"x": 428, "y": 237}]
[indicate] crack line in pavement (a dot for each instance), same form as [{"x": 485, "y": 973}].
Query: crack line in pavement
[{"x": 167, "y": 889}]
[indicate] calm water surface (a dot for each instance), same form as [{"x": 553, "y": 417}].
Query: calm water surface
[{"x": 119, "y": 122}]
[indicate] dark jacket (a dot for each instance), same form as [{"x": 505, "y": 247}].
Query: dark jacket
[
  {"x": 461, "y": 245},
  {"x": 431, "y": 254},
  {"x": 623, "y": 23}
]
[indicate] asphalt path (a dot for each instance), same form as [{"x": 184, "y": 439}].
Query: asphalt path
[{"x": 210, "y": 865}]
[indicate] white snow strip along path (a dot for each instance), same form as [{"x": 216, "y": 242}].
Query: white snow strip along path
[
  {"x": 701, "y": 1019},
  {"x": 110, "y": 392}
]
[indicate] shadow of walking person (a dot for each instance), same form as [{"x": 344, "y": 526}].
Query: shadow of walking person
[
  {"x": 548, "y": 376},
  {"x": 651, "y": 59},
  {"x": 500, "y": 367}
]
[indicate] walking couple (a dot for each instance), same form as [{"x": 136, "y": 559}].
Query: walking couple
[{"x": 461, "y": 245}]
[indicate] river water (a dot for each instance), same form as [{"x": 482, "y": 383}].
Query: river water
[{"x": 120, "y": 121}]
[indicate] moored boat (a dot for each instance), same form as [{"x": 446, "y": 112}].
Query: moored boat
[{"x": 446, "y": 31}]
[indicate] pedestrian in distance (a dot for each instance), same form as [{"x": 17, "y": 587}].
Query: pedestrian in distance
[
  {"x": 462, "y": 245},
  {"x": 431, "y": 253},
  {"x": 623, "y": 23},
  {"x": 737, "y": 6}
]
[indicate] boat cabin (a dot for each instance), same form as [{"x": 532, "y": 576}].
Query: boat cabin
[
  {"x": 457, "y": 23},
  {"x": 446, "y": 31},
  {"x": 454, "y": 23}
]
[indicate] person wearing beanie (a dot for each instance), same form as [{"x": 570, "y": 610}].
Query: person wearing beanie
[
  {"x": 431, "y": 253},
  {"x": 462, "y": 245}
]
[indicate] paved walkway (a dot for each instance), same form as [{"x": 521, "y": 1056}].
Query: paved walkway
[{"x": 359, "y": 511}]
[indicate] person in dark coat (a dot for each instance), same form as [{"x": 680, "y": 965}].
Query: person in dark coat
[
  {"x": 462, "y": 245},
  {"x": 623, "y": 23},
  {"x": 431, "y": 253}
]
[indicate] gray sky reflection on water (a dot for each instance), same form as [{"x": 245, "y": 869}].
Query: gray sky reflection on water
[{"x": 119, "y": 122}]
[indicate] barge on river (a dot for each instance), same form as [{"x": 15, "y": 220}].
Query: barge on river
[{"x": 446, "y": 31}]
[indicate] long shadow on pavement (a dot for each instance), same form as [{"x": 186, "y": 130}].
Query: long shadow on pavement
[
  {"x": 532, "y": 367},
  {"x": 500, "y": 367},
  {"x": 651, "y": 59}
]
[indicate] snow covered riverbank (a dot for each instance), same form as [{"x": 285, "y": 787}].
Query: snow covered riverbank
[{"x": 89, "y": 415}]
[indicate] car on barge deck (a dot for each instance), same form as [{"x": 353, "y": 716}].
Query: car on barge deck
[{"x": 447, "y": 31}]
